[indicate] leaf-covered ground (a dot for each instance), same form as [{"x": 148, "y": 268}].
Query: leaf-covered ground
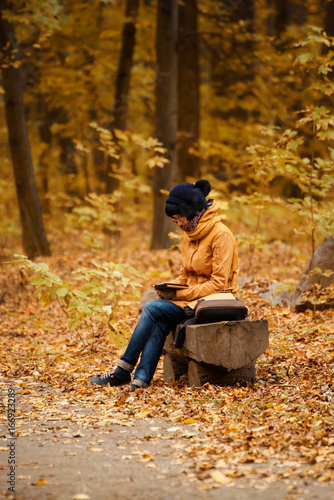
[{"x": 282, "y": 426}]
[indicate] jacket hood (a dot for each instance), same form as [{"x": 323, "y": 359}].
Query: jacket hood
[{"x": 206, "y": 222}]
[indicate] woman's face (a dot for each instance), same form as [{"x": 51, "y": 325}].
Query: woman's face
[{"x": 181, "y": 221}]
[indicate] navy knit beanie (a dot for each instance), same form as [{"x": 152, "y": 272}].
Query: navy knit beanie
[{"x": 190, "y": 196}]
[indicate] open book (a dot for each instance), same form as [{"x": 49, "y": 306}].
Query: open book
[{"x": 169, "y": 286}]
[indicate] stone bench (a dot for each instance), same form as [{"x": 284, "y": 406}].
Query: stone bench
[{"x": 220, "y": 353}]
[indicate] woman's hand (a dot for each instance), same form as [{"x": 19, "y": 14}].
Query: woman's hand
[{"x": 167, "y": 294}]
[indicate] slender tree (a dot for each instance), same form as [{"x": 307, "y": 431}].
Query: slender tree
[
  {"x": 233, "y": 60},
  {"x": 123, "y": 81},
  {"x": 329, "y": 17},
  {"x": 33, "y": 234},
  {"x": 166, "y": 116},
  {"x": 283, "y": 13},
  {"x": 46, "y": 138},
  {"x": 188, "y": 90}
]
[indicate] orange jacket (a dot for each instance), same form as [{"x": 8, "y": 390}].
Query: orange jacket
[{"x": 209, "y": 259}]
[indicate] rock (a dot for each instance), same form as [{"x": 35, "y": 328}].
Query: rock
[
  {"x": 268, "y": 290},
  {"x": 323, "y": 259},
  {"x": 149, "y": 295},
  {"x": 283, "y": 299}
]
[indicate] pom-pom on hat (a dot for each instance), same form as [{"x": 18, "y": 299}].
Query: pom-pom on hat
[{"x": 190, "y": 196}]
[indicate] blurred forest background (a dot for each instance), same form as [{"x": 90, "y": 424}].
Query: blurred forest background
[{"x": 106, "y": 104}]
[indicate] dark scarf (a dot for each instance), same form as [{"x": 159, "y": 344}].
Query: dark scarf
[{"x": 192, "y": 224}]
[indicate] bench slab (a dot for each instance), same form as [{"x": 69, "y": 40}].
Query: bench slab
[{"x": 220, "y": 353}]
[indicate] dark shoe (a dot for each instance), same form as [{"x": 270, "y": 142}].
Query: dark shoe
[
  {"x": 134, "y": 386},
  {"x": 138, "y": 384},
  {"x": 111, "y": 379}
]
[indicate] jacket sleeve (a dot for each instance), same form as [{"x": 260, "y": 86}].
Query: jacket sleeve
[
  {"x": 222, "y": 258},
  {"x": 182, "y": 278}
]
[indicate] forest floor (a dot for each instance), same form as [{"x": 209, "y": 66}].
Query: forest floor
[{"x": 271, "y": 439}]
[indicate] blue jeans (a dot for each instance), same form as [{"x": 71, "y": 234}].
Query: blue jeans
[{"x": 158, "y": 318}]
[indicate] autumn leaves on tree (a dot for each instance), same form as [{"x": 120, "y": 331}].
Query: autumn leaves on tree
[{"x": 128, "y": 99}]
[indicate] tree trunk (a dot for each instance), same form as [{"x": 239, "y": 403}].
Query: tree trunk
[
  {"x": 166, "y": 116},
  {"x": 123, "y": 84},
  {"x": 45, "y": 119},
  {"x": 33, "y": 235},
  {"x": 329, "y": 18},
  {"x": 233, "y": 62},
  {"x": 283, "y": 13},
  {"x": 296, "y": 11},
  {"x": 188, "y": 89}
]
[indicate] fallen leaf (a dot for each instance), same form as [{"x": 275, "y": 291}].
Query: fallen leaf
[
  {"x": 221, "y": 464},
  {"x": 146, "y": 458},
  {"x": 189, "y": 421},
  {"x": 220, "y": 478},
  {"x": 40, "y": 482}
]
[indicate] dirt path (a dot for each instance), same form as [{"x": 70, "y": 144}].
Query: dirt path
[
  {"x": 145, "y": 460},
  {"x": 73, "y": 454}
]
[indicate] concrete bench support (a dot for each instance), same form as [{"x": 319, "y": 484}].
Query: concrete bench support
[{"x": 219, "y": 353}]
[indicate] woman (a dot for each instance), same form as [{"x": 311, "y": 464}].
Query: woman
[{"x": 209, "y": 265}]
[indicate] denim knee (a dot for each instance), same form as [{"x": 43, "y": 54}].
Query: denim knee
[
  {"x": 164, "y": 310},
  {"x": 152, "y": 308}
]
